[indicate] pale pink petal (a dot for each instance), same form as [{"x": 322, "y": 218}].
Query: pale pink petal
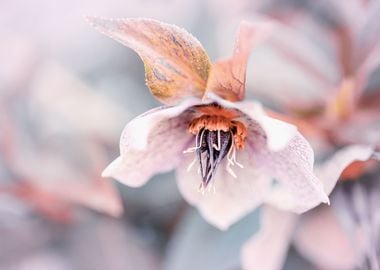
[
  {"x": 293, "y": 169},
  {"x": 278, "y": 133},
  {"x": 268, "y": 248},
  {"x": 233, "y": 197},
  {"x": 151, "y": 143},
  {"x": 330, "y": 171},
  {"x": 137, "y": 133},
  {"x": 321, "y": 239}
]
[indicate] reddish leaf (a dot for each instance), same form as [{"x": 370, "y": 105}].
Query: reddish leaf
[
  {"x": 227, "y": 77},
  {"x": 176, "y": 65}
]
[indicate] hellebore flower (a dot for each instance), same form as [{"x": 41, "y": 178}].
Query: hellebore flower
[{"x": 227, "y": 152}]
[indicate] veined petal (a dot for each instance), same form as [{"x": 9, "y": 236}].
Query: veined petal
[
  {"x": 328, "y": 173},
  {"x": 233, "y": 197},
  {"x": 136, "y": 134},
  {"x": 299, "y": 189},
  {"x": 227, "y": 77},
  {"x": 268, "y": 248},
  {"x": 321, "y": 239},
  {"x": 176, "y": 65},
  {"x": 150, "y": 144}
]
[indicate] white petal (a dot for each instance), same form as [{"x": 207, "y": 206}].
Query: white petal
[
  {"x": 151, "y": 143},
  {"x": 328, "y": 173},
  {"x": 136, "y": 133},
  {"x": 268, "y": 248},
  {"x": 233, "y": 197},
  {"x": 299, "y": 189},
  {"x": 278, "y": 133}
]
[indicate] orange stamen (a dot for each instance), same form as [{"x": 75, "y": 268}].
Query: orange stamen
[{"x": 216, "y": 118}]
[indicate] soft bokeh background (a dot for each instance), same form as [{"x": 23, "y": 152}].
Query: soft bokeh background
[{"x": 65, "y": 94}]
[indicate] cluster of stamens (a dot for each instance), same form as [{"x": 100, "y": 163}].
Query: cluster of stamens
[{"x": 217, "y": 136}]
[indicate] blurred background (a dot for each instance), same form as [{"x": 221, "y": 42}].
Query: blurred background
[{"x": 66, "y": 93}]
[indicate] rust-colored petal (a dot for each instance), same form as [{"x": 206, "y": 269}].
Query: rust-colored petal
[
  {"x": 227, "y": 77},
  {"x": 176, "y": 65}
]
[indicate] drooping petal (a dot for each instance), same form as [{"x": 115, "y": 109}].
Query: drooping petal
[
  {"x": 268, "y": 248},
  {"x": 299, "y": 189},
  {"x": 330, "y": 171},
  {"x": 233, "y": 197},
  {"x": 150, "y": 144},
  {"x": 227, "y": 77},
  {"x": 321, "y": 239},
  {"x": 176, "y": 65}
]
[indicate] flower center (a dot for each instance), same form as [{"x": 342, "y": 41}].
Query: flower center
[{"x": 217, "y": 136}]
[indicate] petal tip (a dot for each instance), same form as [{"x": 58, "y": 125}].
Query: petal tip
[
  {"x": 103, "y": 25},
  {"x": 109, "y": 171}
]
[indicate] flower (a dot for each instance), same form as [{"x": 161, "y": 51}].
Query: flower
[
  {"x": 344, "y": 236},
  {"x": 204, "y": 123}
]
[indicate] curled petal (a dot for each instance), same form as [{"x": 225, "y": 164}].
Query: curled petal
[
  {"x": 268, "y": 248},
  {"x": 232, "y": 198},
  {"x": 321, "y": 239},
  {"x": 330, "y": 171},
  {"x": 299, "y": 189},
  {"x": 150, "y": 144},
  {"x": 176, "y": 65}
]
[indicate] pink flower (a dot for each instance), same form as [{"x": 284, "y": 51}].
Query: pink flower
[{"x": 226, "y": 151}]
